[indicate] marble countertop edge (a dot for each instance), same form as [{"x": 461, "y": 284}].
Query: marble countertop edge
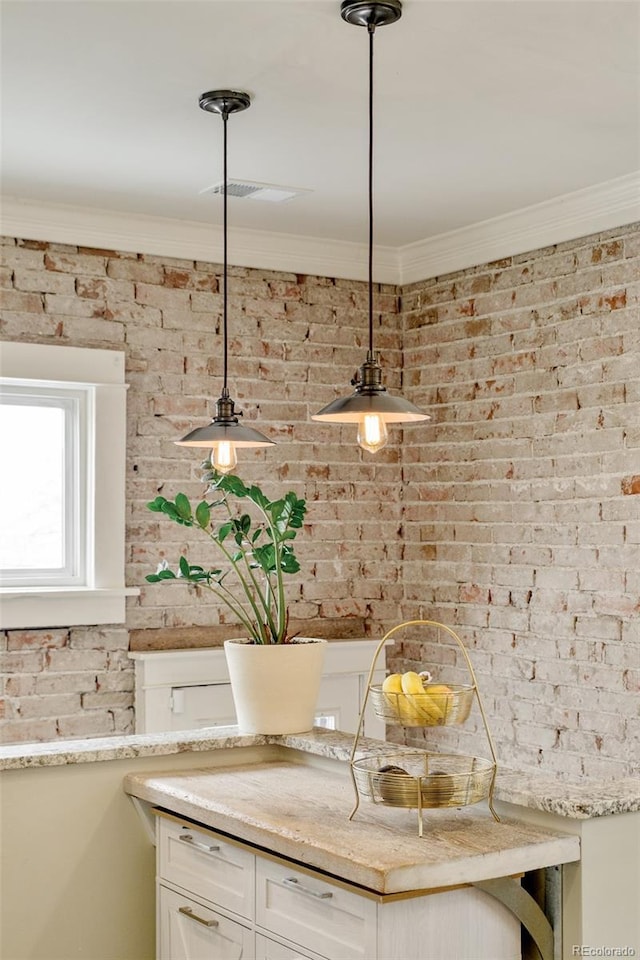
[{"x": 532, "y": 789}]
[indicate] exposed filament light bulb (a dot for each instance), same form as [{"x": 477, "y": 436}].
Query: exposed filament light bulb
[
  {"x": 223, "y": 456},
  {"x": 372, "y": 432}
]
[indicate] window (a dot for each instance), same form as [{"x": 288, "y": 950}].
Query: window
[
  {"x": 43, "y": 493},
  {"x": 62, "y": 436}
]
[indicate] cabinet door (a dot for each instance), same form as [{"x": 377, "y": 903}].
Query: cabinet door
[{"x": 189, "y": 931}]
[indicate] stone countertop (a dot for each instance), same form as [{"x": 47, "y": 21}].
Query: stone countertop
[
  {"x": 577, "y": 800},
  {"x": 302, "y": 813}
]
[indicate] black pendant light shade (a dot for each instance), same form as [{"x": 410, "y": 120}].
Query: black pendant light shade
[
  {"x": 370, "y": 406},
  {"x": 224, "y": 434}
]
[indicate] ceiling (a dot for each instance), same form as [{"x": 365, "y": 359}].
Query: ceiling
[{"x": 482, "y": 108}]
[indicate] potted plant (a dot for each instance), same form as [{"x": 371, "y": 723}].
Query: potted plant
[{"x": 275, "y": 677}]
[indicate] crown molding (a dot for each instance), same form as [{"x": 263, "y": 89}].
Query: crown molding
[
  {"x": 192, "y": 240},
  {"x": 568, "y": 217}
]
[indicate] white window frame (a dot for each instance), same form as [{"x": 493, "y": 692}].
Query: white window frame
[{"x": 98, "y": 376}]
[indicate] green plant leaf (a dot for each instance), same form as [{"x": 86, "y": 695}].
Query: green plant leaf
[
  {"x": 224, "y": 530},
  {"x": 157, "y": 504},
  {"x": 298, "y": 508},
  {"x": 289, "y": 563},
  {"x": 183, "y": 506},
  {"x": 170, "y": 509},
  {"x": 203, "y": 514},
  {"x": 152, "y": 578},
  {"x": 232, "y": 484},
  {"x": 185, "y": 569},
  {"x": 166, "y": 575},
  {"x": 256, "y": 534},
  {"x": 288, "y": 512},
  {"x": 265, "y": 557},
  {"x": 257, "y": 496}
]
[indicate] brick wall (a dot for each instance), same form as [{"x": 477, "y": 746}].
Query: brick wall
[
  {"x": 292, "y": 338},
  {"x": 517, "y": 521},
  {"x": 521, "y": 514}
]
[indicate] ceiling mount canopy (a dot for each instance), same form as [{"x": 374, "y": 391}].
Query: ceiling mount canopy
[
  {"x": 370, "y": 406},
  {"x": 224, "y": 433},
  {"x": 364, "y": 13}
]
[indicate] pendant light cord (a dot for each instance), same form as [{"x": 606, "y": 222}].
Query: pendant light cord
[
  {"x": 225, "y": 391},
  {"x": 371, "y": 28}
]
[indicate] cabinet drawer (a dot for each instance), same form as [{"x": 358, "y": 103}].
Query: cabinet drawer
[
  {"x": 206, "y": 865},
  {"x": 267, "y": 949},
  {"x": 189, "y": 931},
  {"x": 319, "y": 916}
]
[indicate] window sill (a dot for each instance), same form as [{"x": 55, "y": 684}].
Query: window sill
[{"x": 30, "y": 607}]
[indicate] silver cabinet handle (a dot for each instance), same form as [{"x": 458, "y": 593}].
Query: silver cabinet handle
[
  {"x": 296, "y": 885},
  {"x": 187, "y": 838},
  {"x": 188, "y": 912}
]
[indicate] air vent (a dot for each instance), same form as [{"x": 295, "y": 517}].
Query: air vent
[{"x": 255, "y": 191}]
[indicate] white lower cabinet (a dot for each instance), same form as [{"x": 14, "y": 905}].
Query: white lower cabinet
[
  {"x": 221, "y": 900},
  {"x": 191, "y": 931},
  {"x": 208, "y": 866},
  {"x": 319, "y": 916}
]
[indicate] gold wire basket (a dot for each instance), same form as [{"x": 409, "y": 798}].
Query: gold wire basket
[
  {"x": 423, "y": 709},
  {"x": 420, "y": 779},
  {"x": 423, "y": 780}
]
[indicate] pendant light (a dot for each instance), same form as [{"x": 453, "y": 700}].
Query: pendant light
[
  {"x": 370, "y": 406},
  {"x": 225, "y": 434}
]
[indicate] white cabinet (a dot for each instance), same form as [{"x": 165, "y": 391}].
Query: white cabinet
[
  {"x": 317, "y": 915},
  {"x": 190, "y": 931},
  {"x": 190, "y": 689},
  {"x": 223, "y": 900},
  {"x": 210, "y": 867}
]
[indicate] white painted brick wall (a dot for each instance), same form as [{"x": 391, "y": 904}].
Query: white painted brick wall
[
  {"x": 517, "y": 520},
  {"x": 534, "y": 445},
  {"x": 292, "y": 340}
]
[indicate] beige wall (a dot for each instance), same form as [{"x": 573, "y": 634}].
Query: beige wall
[{"x": 76, "y": 867}]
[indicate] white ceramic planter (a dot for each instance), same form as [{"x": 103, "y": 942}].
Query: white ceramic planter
[{"x": 275, "y": 686}]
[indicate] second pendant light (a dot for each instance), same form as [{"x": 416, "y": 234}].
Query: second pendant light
[{"x": 370, "y": 406}]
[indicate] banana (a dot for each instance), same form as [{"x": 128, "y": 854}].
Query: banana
[
  {"x": 424, "y": 708},
  {"x": 392, "y": 688},
  {"x": 440, "y": 695}
]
